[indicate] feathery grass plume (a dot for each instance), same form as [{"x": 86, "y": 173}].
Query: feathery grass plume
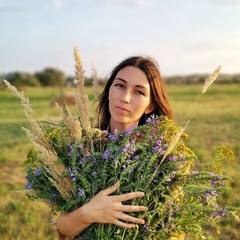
[
  {"x": 81, "y": 96},
  {"x": 25, "y": 101},
  {"x": 72, "y": 124},
  {"x": 37, "y": 130},
  {"x": 96, "y": 88},
  {"x": 210, "y": 79},
  {"x": 37, "y": 137},
  {"x": 56, "y": 170},
  {"x": 95, "y": 84}
]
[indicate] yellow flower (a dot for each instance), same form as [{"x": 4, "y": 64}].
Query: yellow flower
[{"x": 177, "y": 236}]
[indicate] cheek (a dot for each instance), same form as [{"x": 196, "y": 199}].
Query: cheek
[
  {"x": 141, "y": 105},
  {"x": 110, "y": 95}
]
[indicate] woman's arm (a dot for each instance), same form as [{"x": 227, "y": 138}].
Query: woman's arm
[{"x": 101, "y": 209}]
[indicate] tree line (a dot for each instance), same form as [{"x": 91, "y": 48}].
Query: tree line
[
  {"x": 44, "y": 78},
  {"x": 56, "y": 77}
]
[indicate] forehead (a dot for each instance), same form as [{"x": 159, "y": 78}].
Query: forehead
[{"x": 133, "y": 75}]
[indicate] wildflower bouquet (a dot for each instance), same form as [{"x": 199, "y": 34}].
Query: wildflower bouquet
[{"x": 71, "y": 162}]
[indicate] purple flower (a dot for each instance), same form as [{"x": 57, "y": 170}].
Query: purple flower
[
  {"x": 72, "y": 174},
  {"x": 106, "y": 154},
  {"x": 217, "y": 180},
  {"x": 128, "y": 161},
  {"x": 112, "y": 137},
  {"x": 151, "y": 120},
  {"x": 214, "y": 193},
  {"x": 207, "y": 196},
  {"x": 215, "y": 206},
  {"x": 224, "y": 212},
  {"x": 129, "y": 131},
  {"x": 38, "y": 171},
  {"x": 82, "y": 161},
  {"x": 135, "y": 157},
  {"x": 146, "y": 228},
  {"x": 173, "y": 158},
  {"x": 71, "y": 150},
  {"x": 29, "y": 184},
  {"x": 172, "y": 225},
  {"x": 127, "y": 146},
  {"x": 80, "y": 146},
  {"x": 132, "y": 151},
  {"x": 81, "y": 192}
]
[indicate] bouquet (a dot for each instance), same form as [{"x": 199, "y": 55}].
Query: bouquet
[{"x": 72, "y": 161}]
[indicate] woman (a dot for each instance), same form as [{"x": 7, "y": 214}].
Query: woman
[{"x": 134, "y": 90}]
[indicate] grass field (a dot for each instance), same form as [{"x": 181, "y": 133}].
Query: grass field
[{"x": 214, "y": 120}]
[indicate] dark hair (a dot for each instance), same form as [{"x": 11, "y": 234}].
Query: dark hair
[{"x": 158, "y": 93}]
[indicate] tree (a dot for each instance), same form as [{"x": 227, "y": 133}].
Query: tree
[
  {"x": 51, "y": 77},
  {"x": 22, "y": 79}
]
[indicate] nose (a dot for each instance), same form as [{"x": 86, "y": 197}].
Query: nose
[{"x": 125, "y": 98}]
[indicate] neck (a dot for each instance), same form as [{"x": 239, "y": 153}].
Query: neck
[{"x": 120, "y": 126}]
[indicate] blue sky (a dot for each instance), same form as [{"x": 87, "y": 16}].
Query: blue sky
[{"x": 187, "y": 36}]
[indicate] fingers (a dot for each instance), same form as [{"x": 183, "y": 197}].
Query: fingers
[
  {"x": 122, "y": 197},
  {"x": 127, "y": 221},
  {"x": 124, "y": 225},
  {"x": 129, "y": 208},
  {"x": 128, "y": 196},
  {"x": 130, "y": 219},
  {"x": 109, "y": 190}
]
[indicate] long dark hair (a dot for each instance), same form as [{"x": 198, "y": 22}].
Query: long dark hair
[{"x": 159, "y": 95}]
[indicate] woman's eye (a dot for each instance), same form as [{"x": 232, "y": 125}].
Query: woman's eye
[
  {"x": 119, "y": 85},
  {"x": 140, "y": 92}
]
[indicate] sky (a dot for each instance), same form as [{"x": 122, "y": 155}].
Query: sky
[{"x": 184, "y": 36}]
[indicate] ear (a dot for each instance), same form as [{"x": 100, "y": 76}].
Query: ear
[{"x": 149, "y": 109}]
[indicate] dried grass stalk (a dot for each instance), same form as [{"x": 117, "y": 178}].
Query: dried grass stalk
[
  {"x": 210, "y": 79},
  {"x": 72, "y": 124},
  {"x": 81, "y": 96},
  {"x": 96, "y": 86},
  {"x": 37, "y": 137}
]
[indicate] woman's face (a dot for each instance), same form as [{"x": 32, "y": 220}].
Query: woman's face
[{"x": 129, "y": 98}]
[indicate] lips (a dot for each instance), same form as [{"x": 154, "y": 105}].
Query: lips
[{"x": 122, "y": 109}]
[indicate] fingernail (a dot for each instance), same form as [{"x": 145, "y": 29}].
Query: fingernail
[{"x": 116, "y": 184}]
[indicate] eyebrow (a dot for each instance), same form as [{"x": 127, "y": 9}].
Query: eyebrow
[{"x": 118, "y": 78}]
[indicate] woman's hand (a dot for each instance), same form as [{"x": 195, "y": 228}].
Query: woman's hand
[
  {"x": 102, "y": 208},
  {"x": 109, "y": 209}
]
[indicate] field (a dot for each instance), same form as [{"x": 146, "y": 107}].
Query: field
[{"x": 214, "y": 121}]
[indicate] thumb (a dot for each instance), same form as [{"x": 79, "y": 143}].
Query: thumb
[{"x": 110, "y": 190}]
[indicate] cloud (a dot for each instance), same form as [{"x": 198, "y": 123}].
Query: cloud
[
  {"x": 57, "y": 3},
  {"x": 226, "y": 3},
  {"x": 12, "y": 6},
  {"x": 131, "y": 3}
]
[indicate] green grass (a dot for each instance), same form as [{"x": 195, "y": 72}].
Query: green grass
[{"x": 214, "y": 120}]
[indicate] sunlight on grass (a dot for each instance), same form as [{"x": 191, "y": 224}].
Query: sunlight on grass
[{"x": 214, "y": 120}]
